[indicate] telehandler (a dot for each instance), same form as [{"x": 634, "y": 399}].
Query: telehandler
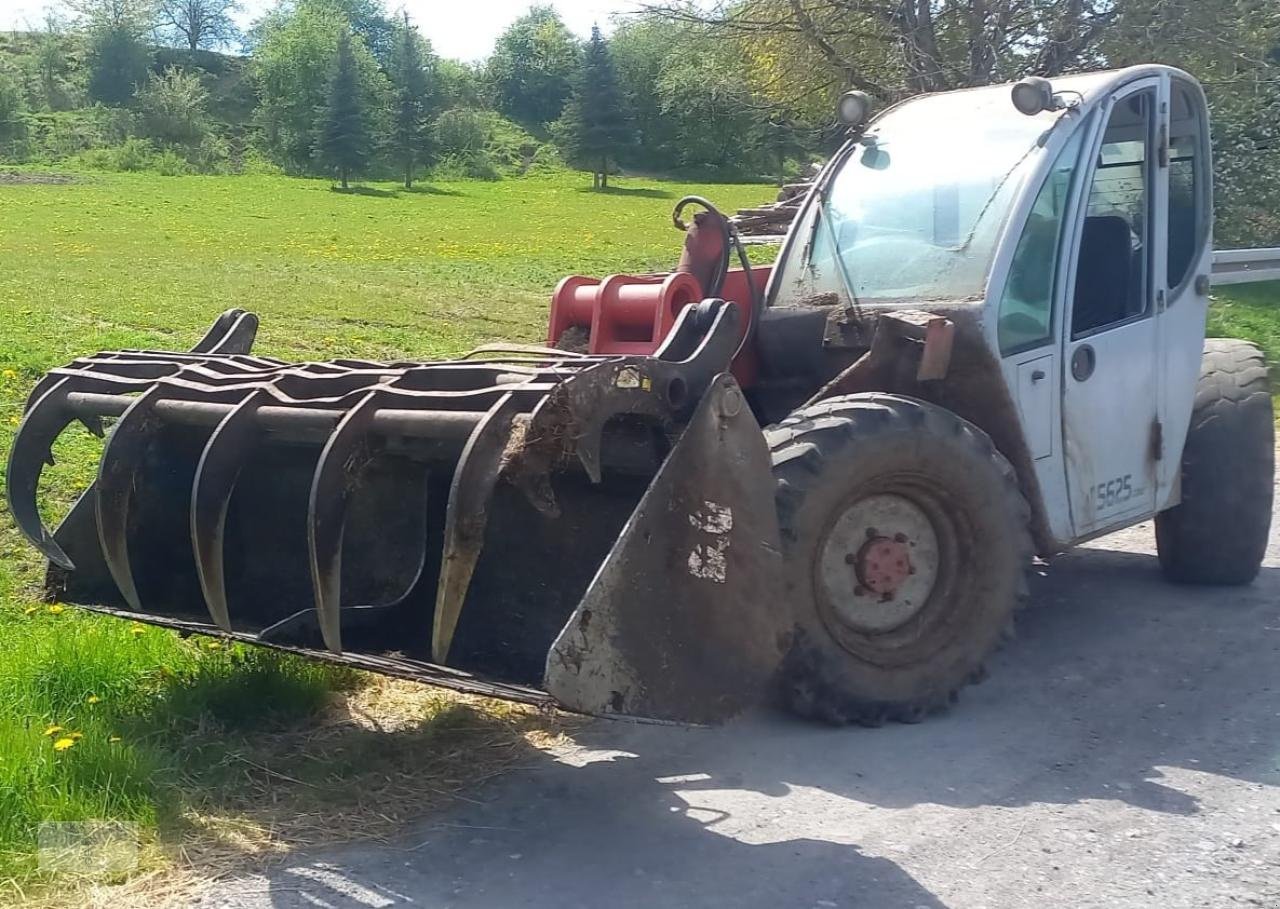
[{"x": 982, "y": 341}]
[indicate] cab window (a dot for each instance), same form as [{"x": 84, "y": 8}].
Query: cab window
[
  {"x": 1026, "y": 306},
  {"x": 1188, "y": 207},
  {"x": 1112, "y": 278}
]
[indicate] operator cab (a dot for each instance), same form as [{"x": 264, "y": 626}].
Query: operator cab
[{"x": 1070, "y": 233}]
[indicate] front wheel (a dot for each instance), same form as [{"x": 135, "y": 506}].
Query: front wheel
[
  {"x": 1218, "y": 533},
  {"x": 905, "y": 541}
]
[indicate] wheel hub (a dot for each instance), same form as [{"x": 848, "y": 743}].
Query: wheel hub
[
  {"x": 882, "y": 564},
  {"x": 878, "y": 563}
]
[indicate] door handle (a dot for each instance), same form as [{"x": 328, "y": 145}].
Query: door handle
[
  {"x": 1037, "y": 375},
  {"x": 1083, "y": 361}
]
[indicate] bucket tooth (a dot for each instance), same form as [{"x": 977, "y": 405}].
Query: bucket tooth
[
  {"x": 32, "y": 450},
  {"x": 216, "y": 475},
  {"x": 466, "y": 517},
  {"x": 343, "y": 457}
]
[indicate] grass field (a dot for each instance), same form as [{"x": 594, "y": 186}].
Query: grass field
[
  {"x": 168, "y": 734},
  {"x": 100, "y": 719}
]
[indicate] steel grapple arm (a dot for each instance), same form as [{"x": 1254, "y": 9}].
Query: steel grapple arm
[{"x": 521, "y": 521}]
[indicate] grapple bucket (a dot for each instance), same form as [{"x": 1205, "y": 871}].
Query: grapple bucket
[{"x": 594, "y": 531}]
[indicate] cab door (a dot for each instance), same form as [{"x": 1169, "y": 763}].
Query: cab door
[{"x": 1110, "y": 378}]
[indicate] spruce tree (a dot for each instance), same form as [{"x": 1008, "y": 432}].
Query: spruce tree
[
  {"x": 411, "y": 101},
  {"x": 345, "y": 143},
  {"x": 594, "y": 124}
]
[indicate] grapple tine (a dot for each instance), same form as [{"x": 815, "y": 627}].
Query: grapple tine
[
  {"x": 44, "y": 421},
  {"x": 218, "y": 331},
  {"x": 116, "y": 475},
  {"x": 239, "y": 337},
  {"x": 93, "y": 423},
  {"x": 331, "y": 486},
  {"x": 123, "y": 456},
  {"x": 466, "y": 516},
  {"x": 216, "y": 474}
]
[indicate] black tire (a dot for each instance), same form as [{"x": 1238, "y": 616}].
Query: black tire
[
  {"x": 1218, "y": 533},
  {"x": 842, "y": 458}
]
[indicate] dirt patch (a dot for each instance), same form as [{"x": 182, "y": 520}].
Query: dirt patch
[{"x": 18, "y": 178}]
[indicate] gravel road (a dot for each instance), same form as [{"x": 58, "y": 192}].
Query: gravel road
[{"x": 1125, "y": 752}]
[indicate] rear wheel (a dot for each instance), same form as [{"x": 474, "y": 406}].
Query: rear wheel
[
  {"x": 905, "y": 542},
  {"x": 1218, "y": 533}
]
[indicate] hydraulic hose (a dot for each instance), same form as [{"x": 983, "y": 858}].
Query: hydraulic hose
[{"x": 730, "y": 238}]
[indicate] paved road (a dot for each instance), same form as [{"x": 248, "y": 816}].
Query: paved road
[{"x": 1124, "y": 753}]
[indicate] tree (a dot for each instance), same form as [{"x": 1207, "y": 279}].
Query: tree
[
  {"x": 720, "y": 126},
  {"x": 640, "y": 49},
  {"x": 532, "y": 68},
  {"x": 458, "y": 85},
  {"x": 345, "y": 143},
  {"x": 118, "y": 57},
  {"x": 292, "y": 64},
  {"x": 197, "y": 24},
  {"x": 594, "y": 125},
  {"x": 118, "y": 63},
  {"x": 895, "y": 47},
  {"x": 49, "y": 63},
  {"x": 412, "y": 100},
  {"x": 11, "y": 123}
]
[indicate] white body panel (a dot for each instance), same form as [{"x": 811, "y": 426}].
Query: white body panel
[
  {"x": 1105, "y": 443},
  {"x": 1119, "y": 428}
]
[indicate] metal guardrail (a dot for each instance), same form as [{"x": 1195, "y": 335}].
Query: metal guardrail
[{"x": 1244, "y": 266}]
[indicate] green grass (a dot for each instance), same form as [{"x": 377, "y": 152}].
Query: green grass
[
  {"x": 1250, "y": 311},
  {"x": 145, "y": 261}
]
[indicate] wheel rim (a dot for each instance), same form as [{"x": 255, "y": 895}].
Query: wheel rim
[{"x": 878, "y": 563}]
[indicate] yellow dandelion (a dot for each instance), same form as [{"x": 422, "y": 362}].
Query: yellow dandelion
[
  {"x": 9, "y": 374},
  {"x": 57, "y": 609},
  {"x": 31, "y": 610},
  {"x": 138, "y": 628},
  {"x": 94, "y": 699},
  {"x": 212, "y": 645},
  {"x": 14, "y": 421},
  {"x": 53, "y": 730},
  {"x": 63, "y": 744}
]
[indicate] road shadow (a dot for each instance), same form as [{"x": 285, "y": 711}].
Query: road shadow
[
  {"x": 426, "y": 189},
  {"x": 1120, "y": 689},
  {"x": 371, "y": 191},
  {"x": 374, "y": 192},
  {"x": 552, "y": 836},
  {"x": 1118, "y": 685},
  {"x": 635, "y": 191}
]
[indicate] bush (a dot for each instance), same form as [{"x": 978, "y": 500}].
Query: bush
[
  {"x": 484, "y": 145},
  {"x": 460, "y": 131},
  {"x": 130, "y": 155},
  {"x": 470, "y": 165},
  {"x": 52, "y": 137},
  {"x": 173, "y": 106}
]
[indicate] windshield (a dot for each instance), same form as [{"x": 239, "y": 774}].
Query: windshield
[{"x": 916, "y": 210}]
